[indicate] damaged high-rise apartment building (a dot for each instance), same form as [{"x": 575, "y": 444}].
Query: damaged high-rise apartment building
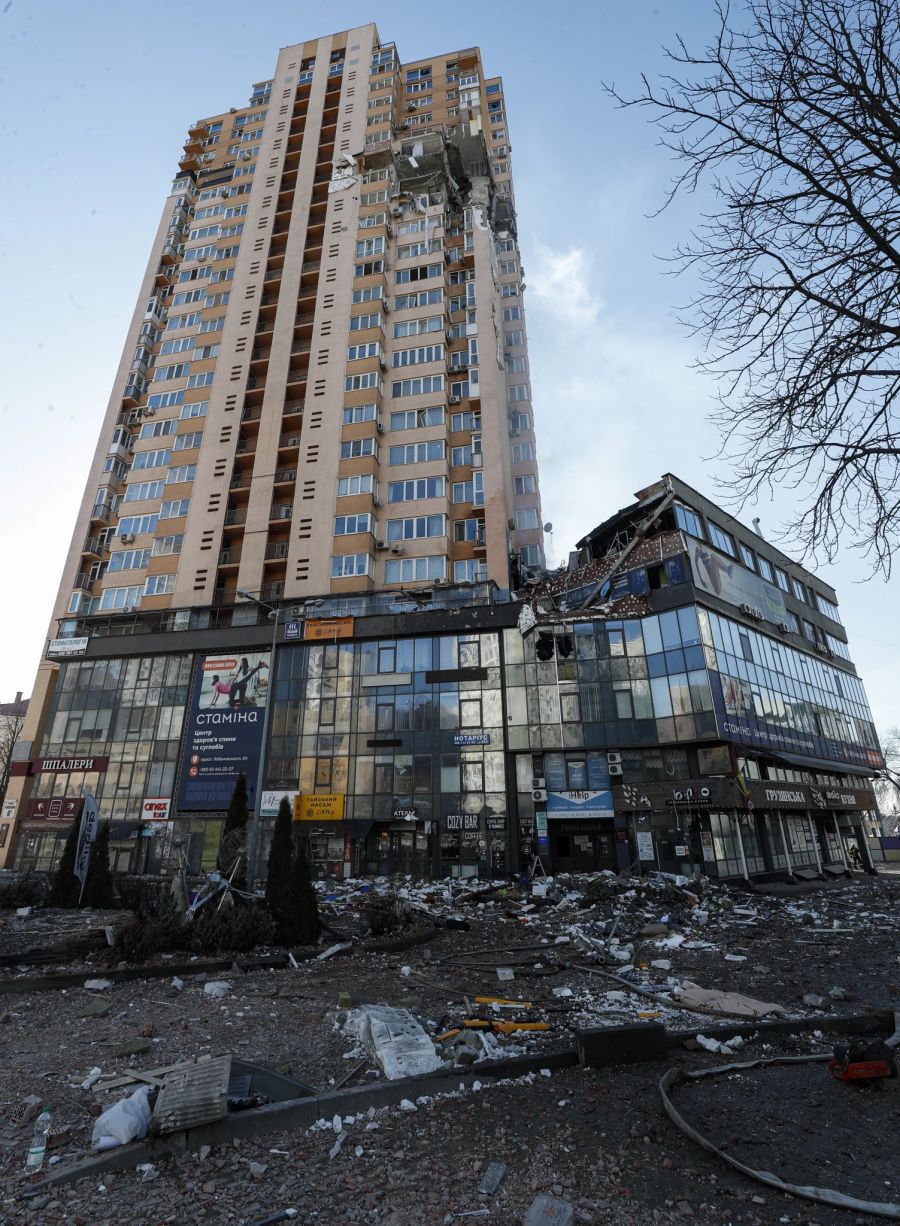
[{"x": 324, "y": 392}]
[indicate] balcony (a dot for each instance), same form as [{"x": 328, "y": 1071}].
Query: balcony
[
  {"x": 240, "y": 481},
  {"x": 289, "y": 442},
  {"x": 292, "y": 408},
  {"x": 84, "y": 581},
  {"x": 93, "y": 547},
  {"x": 277, "y": 551},
  {"x": 280, "y": 511},
  {"x": 171, "y": 253},
  {"x": 235, "y": 517},
  {"x": 229, "y": 557},
  {"x": 251, "y": 413},
  {"x": 134, "y": 389},
  {"x": 284, "y": 476},
  {"x": 272, "y": 591},
  {"x": 102, "y": 513}
]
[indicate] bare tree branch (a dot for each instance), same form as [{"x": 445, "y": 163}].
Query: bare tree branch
[{"x": 792, "y": 116}]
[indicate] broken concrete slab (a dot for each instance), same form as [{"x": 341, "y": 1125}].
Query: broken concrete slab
[
  {"x": 726, "y": 1004},
  {"x": 394, "y": 1040}
]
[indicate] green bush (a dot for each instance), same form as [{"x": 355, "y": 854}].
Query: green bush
[
  {"x": 231, "y": 930},
  {"x": 98, "y": 883},
  {"x": 145, "y": 936},
  {"x": 24, "y": 890},
  {"x": 66, "y": 887},
  {"x": 301, "y": 916}
]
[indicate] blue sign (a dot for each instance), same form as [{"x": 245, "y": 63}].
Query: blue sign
[
  {"x": 736, "y": 720},
  {"x": 223, "y": 736},
  {"x": 292, "y": 630},
  {"x": 587, "y": 804},
  {"x": 471, "y": 738}
]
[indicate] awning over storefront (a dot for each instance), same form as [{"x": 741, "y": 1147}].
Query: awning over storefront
[{"x": 826, "y": 764}]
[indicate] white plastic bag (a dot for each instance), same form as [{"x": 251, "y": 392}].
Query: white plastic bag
[{"x": 127, "y": 1120}]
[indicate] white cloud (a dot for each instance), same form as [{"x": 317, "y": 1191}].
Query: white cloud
[
  {"x": 560, "y": 282},
  {"x": 616, "y": 401}
]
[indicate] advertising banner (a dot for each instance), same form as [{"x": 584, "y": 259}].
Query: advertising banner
[
  {"x": 67, "y": 647},
  {"x": 156, "y": 809},
  {"x": 722, "y": 576},
  {"x": 90, "y": 820},
  {"x": 224, "y": 728},
  {"x": 319, "y": 808},
  {"x": 271, "y": 801},
  {"x": 328, "y": 628},
  {"x": 737, "y": 720}
]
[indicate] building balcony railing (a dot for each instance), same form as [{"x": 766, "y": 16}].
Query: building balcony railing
[
  {"x": 285, "y": 475},
  {"x": 235, "y": 516},
  {"x": 84, "y": 581},
  {"x": 292, "y": 407}
]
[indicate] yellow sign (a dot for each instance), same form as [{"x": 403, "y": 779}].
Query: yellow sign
[
  {"x": 318, "y": 808},
  {"x": 328, "y": 628}
]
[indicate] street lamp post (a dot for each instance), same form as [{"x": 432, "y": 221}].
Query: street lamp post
[{"x": 253, "y": 849}]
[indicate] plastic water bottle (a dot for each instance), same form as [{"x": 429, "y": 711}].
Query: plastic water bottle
[{"x": 38, "y": 1147}]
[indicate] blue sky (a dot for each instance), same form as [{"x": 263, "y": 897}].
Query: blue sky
[{"x": 97, "y": 100}]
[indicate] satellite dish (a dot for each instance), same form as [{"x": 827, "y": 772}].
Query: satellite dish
[{"x": 548, "y": 527}]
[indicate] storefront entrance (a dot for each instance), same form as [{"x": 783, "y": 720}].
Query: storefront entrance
[
  {"x": 582, "y": 846},
  {"x": 398, "y": 849}
]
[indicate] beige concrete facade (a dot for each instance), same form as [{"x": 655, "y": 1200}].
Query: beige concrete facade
[{"x": 244, "y": 437}]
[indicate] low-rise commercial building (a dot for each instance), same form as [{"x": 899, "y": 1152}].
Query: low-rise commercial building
[{"x": 681, "y": 697}]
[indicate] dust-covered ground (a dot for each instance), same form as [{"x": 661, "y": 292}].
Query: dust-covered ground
[{"x": 595, "y": 1139}]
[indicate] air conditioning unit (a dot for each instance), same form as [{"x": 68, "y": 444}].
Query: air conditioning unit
[
  {"x": 232, "y": 110},
  {"x": 539, "y": 795},
  {"x": 382, "y": 363},
  {"x": 147, "y": 411},
  {"x": 126, "y": 538},
  {"x": 246, "y": 155},
  {"x": 398, "y": 549},
  {"x": 381, "y": 545},
  {"x": 614, "y": 759},
  {"x": 379, "y": 426},
  {"x": 376, "y": 501},
  {"x": 389, "y": 229},
  {"x": 385, "y": 306},
  {"x": 411, "y": 106},
  {"x": 511, "y": 524},
  {"x": 784, "y": 627},
  {"x": 396, "y": 211},
  {"x": 614, "y": 770},
  {"x": 454, "y": 400},
  {"x": 538, "y": 781}
]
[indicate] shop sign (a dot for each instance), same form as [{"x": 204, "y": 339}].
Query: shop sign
[
  {"x": 67, "y": 647},
  {"x": 541, "y": 827},
  {"x": 496, "y": 823},
  {"x": 580, "y": 804},
  {"x": 319, "y": 808},
  {"x": 10, "y": 805},
  {"x": 706, "y": 839},
  {"x": 785, "y": 796},
  {"x": 680, "y": 849},
  {"x": 403, "y": 813},
  {"x": 644, "y": 840},
  {"x": 472, "y": 738},
  {"x": 224, "y": 727},
  {"x": 463, "y": 821},
  {"x": 156, "y": 809},
  {"x": 69, "y": 765},
  {"x": 328, "y": 628},
  {"x": 60, "y": 809},
  {"x": 271, "y": 801},
  {"x": 293, "y": 630},
  {"x": 690, "y": 796}
]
